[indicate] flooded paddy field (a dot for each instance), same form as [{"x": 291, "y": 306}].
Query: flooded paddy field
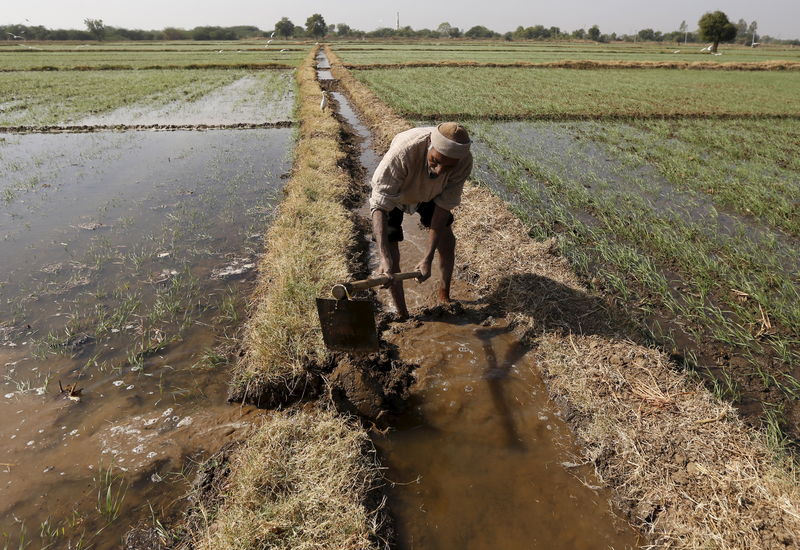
[
  {"x": 692, "y": 224},
  {"x": 145, "y": 97},
  {"x": 127, "y": 258}
]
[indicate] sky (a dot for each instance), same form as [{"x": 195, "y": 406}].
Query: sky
[{"x": 777, "y": 18}]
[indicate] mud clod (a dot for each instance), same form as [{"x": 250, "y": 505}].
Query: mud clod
[{"x": 371, "y": 387}]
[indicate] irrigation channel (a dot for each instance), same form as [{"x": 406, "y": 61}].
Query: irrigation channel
[
  {"x": 126, "y": 261},
  {"x": 482, "y": 458}
]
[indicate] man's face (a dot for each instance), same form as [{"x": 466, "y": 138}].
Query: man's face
[{"x": 438, "y": 163}]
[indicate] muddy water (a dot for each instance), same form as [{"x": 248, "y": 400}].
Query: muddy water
[
  {"x": 126, "y": 258},
  {"x": 482, "y": 458}
]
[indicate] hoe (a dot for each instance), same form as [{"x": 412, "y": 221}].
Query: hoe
[{"x": 348, "y": 324}]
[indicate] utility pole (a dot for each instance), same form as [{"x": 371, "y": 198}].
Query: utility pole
[{"x": 398, "y": 20}]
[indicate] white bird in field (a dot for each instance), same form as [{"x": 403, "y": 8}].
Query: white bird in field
[
  {"x": 677, "y": 51},
  {"x": 324, "y": 102},
  {"x": 283, "y": 50},
  {"x": 272, "y": 35},
  {"x": 15, "y": 36}
]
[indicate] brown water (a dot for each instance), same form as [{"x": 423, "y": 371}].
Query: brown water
[
  {"x": 126, "y": 261},
  {"x": 482, "y": 459}
]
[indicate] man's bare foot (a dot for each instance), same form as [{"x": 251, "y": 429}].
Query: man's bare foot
[{"x": 444, "y": 296}]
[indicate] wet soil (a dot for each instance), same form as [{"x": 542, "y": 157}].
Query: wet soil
[
  {"x": 478, "y": 456},
  {"x": 126, "y": 261}
]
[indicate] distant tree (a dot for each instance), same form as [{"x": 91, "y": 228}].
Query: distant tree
[
  {"x": 444, "y": 29},
  {"x": 343, "y": 29},
  {"x": 580, "y": 34},
  {"x": 741, "y": 31},
  {"x": 715, "y": 27},
  {"x": 171, "y": 33},
  {"x": 479, "y": 31},
  {"x": 382, "y": 32},
  {"x": 315, "y": 26},
  {"x": 95, "y": 28},
  {"x": 751, "y": 30},
  {"x": 284, "y": 28},
  {"x": 684, "y": 31},
  {"x": 594, "y": 33},
  {"x": 508, "y": 36},
  {"x": 554, "y": 32},
  {"x": 647, "y": 34},
  {"x": 299, "y": 31}
]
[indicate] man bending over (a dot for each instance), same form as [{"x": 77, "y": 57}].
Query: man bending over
[{"x": 423, "y": 172}]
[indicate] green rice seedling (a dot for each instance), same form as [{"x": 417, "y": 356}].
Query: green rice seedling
[
  {"x": 111, "y": 491},
  {"x": 210, "y": 359}
]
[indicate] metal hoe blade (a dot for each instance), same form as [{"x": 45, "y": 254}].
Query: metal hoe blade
[{"x": 348, "y": 325}]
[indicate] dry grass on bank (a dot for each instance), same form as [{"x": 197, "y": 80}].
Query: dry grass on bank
[
  {"x": 683, "y": 465},
  {"x": 307, "y": 252},
  {"x": 298, "y": 483}
]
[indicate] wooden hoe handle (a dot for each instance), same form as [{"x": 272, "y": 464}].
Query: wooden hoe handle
[{"x": 343, "y": 290}]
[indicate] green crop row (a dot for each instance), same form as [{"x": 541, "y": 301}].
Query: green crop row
[{"x": 434, "y": 92}]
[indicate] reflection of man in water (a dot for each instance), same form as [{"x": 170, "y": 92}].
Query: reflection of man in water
[{"x": 423, "y": 171}]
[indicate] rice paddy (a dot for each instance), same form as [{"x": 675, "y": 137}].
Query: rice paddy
[
  {"x": 671, "y": 195},
  {"x": 41, "y": 99},
  {"x": 546, "y": 52},
  {"x": 674, "y": 191},
  {"x": 481, "y": 92}
]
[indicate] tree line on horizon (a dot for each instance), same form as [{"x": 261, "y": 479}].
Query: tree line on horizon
[{"x": 712, "y": 27}]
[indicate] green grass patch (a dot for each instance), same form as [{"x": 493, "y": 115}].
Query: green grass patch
[{"x": 429, "y": 92}]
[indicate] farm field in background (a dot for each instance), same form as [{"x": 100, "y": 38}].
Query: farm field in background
[
  {"x": 478, "y": 92},
  {"x": 88, "y": 59},
  {"x": 358, "y": 53},
  {"x": 678, "y": 197},
  {"x": 45, "y": 98}
]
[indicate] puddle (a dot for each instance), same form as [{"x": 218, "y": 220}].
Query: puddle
[
  {"x": 254, "y": 99},
  {"x": 127, "y": 258},
  {"x": 481, "y": 460}
]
